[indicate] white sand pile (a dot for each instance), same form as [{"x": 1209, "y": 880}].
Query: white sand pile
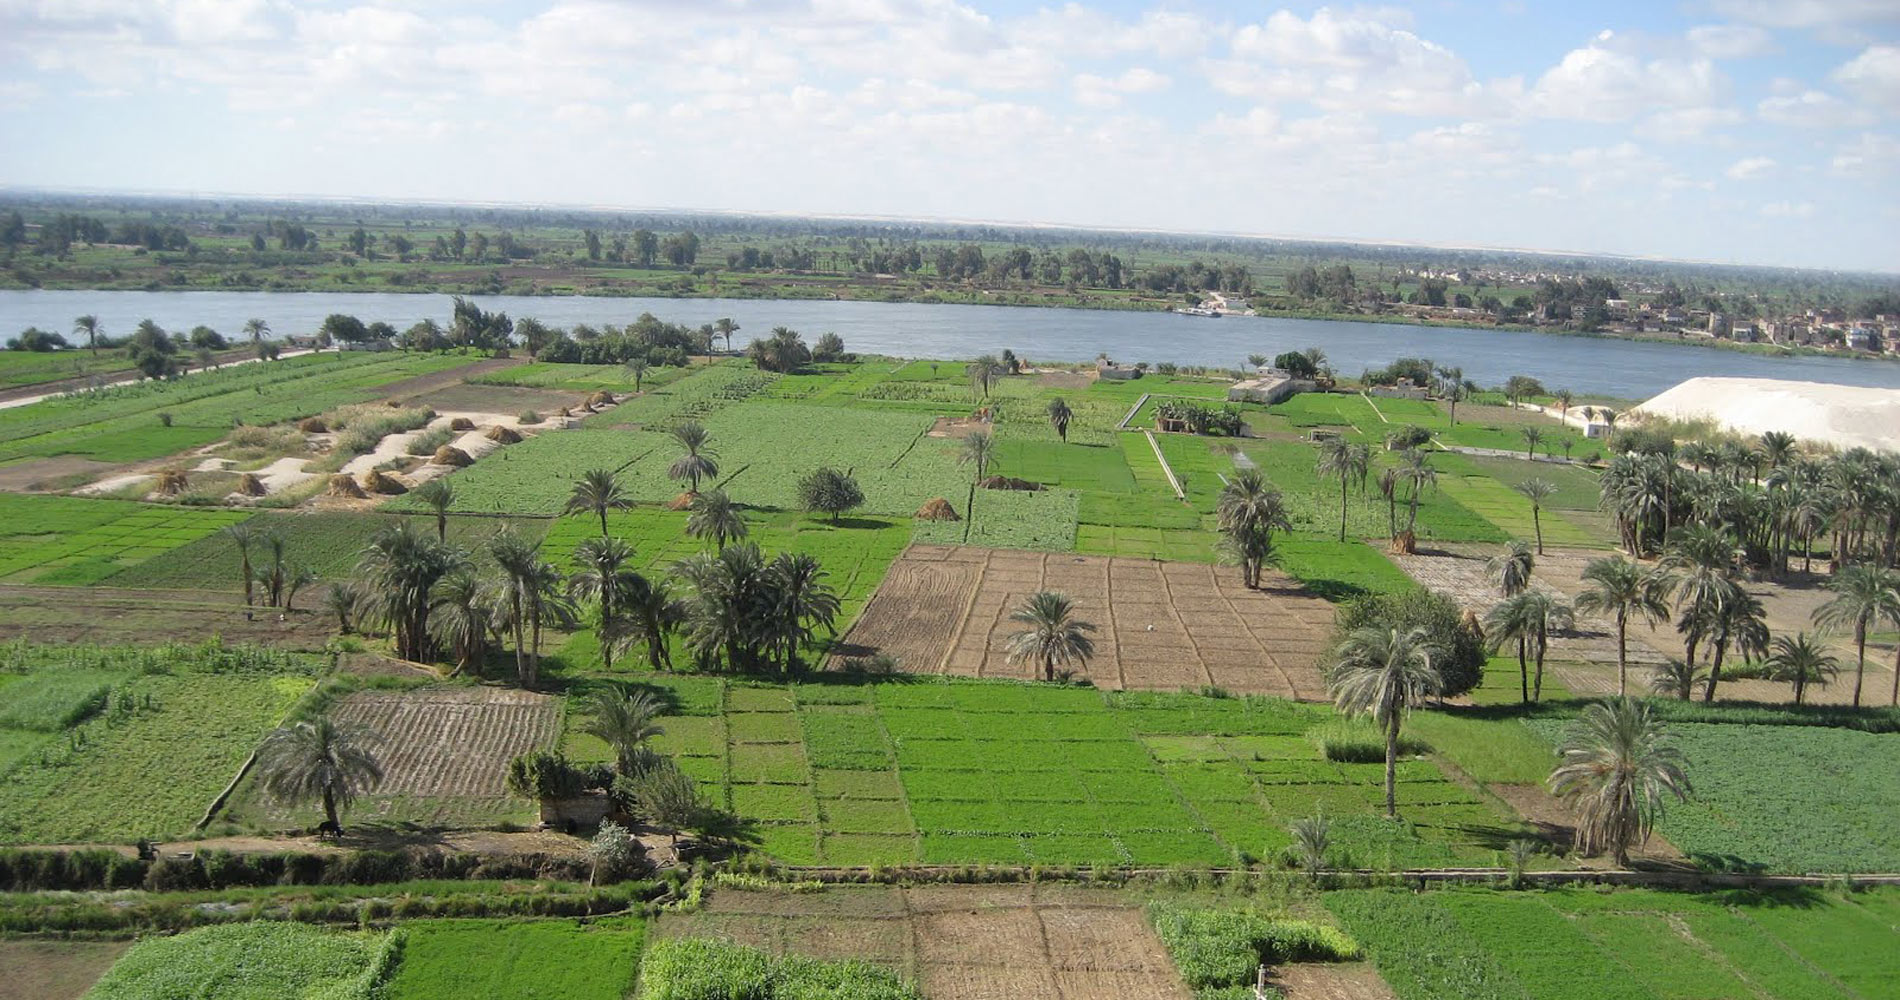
[
  {"x": 1844, "y": 416},
  {"x": 284, "y": 474},
  {"x": 113, "y": 483},
  {"x": 213, "y": 465}
]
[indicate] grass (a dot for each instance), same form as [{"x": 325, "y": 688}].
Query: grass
[
  {"x": 256, "y": 961},
  {"x": 73, "y": 541},
  {"x": 522, "y": 959},
  {"x": 710, "y": 969},
  {"x": 329, "y": 543},
  {"x": 52, "y": 701},
  {"x": 1007, "y": 519}
]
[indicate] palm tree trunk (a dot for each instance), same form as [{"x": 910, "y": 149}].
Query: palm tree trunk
[
  {"x": 1391, "y": 766},
  {"x": 1342, "y": 506},
  {"x": 521, "y": 650},
  {"x": 1894, "y": 699},
  {"x": 442, "y": 526},
  {"x": 329, "y": 808},
  {"x": 1622, "y": 654},
  {"x": 1860, "y": 668},
  {"x": 1537, "y": 524},
  {"x": 1537, "y": 686},
  {"x": 1523, "y": 671},
  {"x": 1715, "y": 668},
  {"x": 603, "y": 522}
]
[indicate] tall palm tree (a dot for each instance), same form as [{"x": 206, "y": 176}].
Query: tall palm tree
[
  {"x": 625, "y": 722},
  {"x": 1051, "y": 633},
  {"x": 530, "y": 592},
  {"x": 1779, "y": 447},
  {"x": 257, "y": 330},
  {"x": 802, "y": 603},
  {"x": 242, "y": 535},
  {"x": 1621, "y": 589},
  {"x": 1528, "y": 619},
  {"x": 1346, "y": 461},
  {"x": 1636, "y": 490},
  {"x": 596, "y": 492},
  {"x": 1801, "y": 661},
  {"x": 979, "y": 449},
  {"x": 1452, "y": 388},
  {"x": 602, "y": 572},
  {"x": 646, "y": 614},
  {"x": 715, "y": 517},
  {"x": 1699, "y": 566},
  {"x": 1059, "y": 417},
  {"x": 699, "y": 462},
  {"x": 462, "y": 616},
  {"x": 1511, "y": 569},
  {"x": 1618, "y": 765},
  {"x": 637, "y": 366},
  {"x": 1862, "y": 595},
  {"x": 1247, "y": 513},
  {"x": 320, "y": 759},
  {"x": 1533, "y": 436},
  {"x": 1415, "y": 466},
  {"x": 439, "y": 495},
  {"x": 1538, "y": 491},
  {"x": 725, "y": 327},
  {"x": 729, "y": 601},
  {"x": 1740, "y": 621},
  {"x": 1564, "y": 398},
  {"x": 399, "y": 568},
  {"x": 984, "y": 373},
  {"x": 1384, "y": 673},
  {"x": 1389, "y": 489},
  {"x": 89, "y": 326}
]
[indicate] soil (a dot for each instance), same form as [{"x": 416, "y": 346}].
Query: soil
[
  {"x": 453, "y": 742},
  {"x": 108, "y": 616},
  {"x": 54, "y": 970},
  {"x": 1556, "y": 825},
  {"x": 1064, "y": 380},
  {"x": 45, "y": 473},
  {"x": 1161, "y": 626},
  {"x": 946, "y": 427},
  {"x": 1318, "y": 981}
]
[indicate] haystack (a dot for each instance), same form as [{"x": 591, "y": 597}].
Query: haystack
[
  {"x": 449, "y": 454},
  {"x": 681, "y": 502},
  {"x": 601, "y": 398},
  {"x": 172, "y": 482},
  {"x": 1006, "y": 483},
  {"x": 344, "y": 485},
  {"x": 937, "y": 509},
  {"x": 313, "y": 425},
  {"x": 378, "y": 481},
  {"x": 565, "y": 412},
  {"x": 503, "y": 434},
  {"x": 1404, "y": 543},
  {"x": 461, "y": 424},
  {"x": 249, "y": 485}
]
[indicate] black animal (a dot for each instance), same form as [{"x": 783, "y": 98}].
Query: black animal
[{"x": 328, "y": 830}]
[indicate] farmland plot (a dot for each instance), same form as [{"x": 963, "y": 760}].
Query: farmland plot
[
  {"x": 254, "y": 961},
  {"x": 329, "y": 543},
  {"x": 561, "y": 959},
  {"x": 70, "y": 541},
  {"x": 536, "y": 476}
]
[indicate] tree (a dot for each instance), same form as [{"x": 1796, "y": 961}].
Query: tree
[
  {"x": 438, "y": 495},
  {"x": 984, "y": 373},
  {"x": 1538, "y": 491},
  {"x": 1619, "y": 588},
  {"x": 714, "y": 517},
  {"x": 88, "y": 325},
  {"x": 1059, "y": 417},
  {"x": 1862, "y": 595},
  {"x": 1618, "y": 765},
  {"x": 1533, "y": 436},
  {"x": 242, "y": 535},
  {"x": 530, "y": 593},
  {"x": 1528, "y": 619},
  {"x": 612, "y": 849},
  {"x": 1415, "y": 467},
  {"x": 1564, "y": 398},
  {"x": 1346, "y": 461},
  {"x": 801, "y": 603},
  {"x": 625, "y": 722},
  {"x": 829, "y": 347},
  {"x": 636, "y": 367},
  {"x": 320, "y": 759},
  {"x": 1511, "y": 569},
  {"x": 645, "y": 613},
  {"x": 462, "y": 617},
  {"x": 399, "y": 568},
  {"x": 664, "y": 796},
  {"x": 1801, "y": 661},
  {"x": 1779, "y": 447},
  {"x": 1384, "y": 673},
  {"x": 699, "y": 461},
  {"x": 725, "y": 328},
  {"x": 601, "y": 574},
  {"x": 596, "y": 492},
  {"x": 1051, "y": 634},
  {"x": 978, "y": 449},
  {"x": 828, "y": 491},
  {"x": 153, "y": 351},
  {"x": 1699, "y": 566},
  {"x": 1247, "y": 514},
  {"x": 344, "y": 329}
]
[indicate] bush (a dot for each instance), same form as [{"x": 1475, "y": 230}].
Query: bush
[
  {"x": 1359, "y": 741},
  {"x": 1217, "y": 950},
  {"x": 546, "y": 774},
  {"x": 1461, "y": 656}
]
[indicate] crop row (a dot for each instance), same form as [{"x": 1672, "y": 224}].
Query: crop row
[{"x": 63, "y": 540}]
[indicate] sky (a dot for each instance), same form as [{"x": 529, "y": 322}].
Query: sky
[{"x": 1749, "y": 131}]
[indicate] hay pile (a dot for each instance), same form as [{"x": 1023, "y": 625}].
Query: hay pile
[
  {"x": 449, "y": 454},
  {"x": 249, "y": 485},
  {"x": 344, "y": 485},
  {"x": 461, "y": 424},
  {"x": 681, "y": 502},
  {"x": 1006, "y": 483},
  {"x": 937, "y": 509},
  {"x": 172, "y": 482},
  {"x": 601, "y": 398},
  {"x": 312, "y": 425},
  {"x": 503, "y": 434},
  {"x": 378, "y": 481},
  {"x": 565, "y": 412}
]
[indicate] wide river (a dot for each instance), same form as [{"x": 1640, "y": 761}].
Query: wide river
[{"x": 1619, "y": 368}]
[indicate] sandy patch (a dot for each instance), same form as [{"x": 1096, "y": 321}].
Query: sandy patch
[
  {"x": 40, "y": 473},
  {"x": 112, "y": 484}
]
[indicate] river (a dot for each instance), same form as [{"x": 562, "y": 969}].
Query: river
[{"x": 1585, "y": 365}]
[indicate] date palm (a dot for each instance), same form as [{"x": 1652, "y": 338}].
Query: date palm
[
  {"x": 1616, "y": 587},
  {"x": 439, "y": 496},
  {"x": 699, "y": 462},
  {"x": 1537, "y": 491},
  {"x": 530, "y": 593},
  {"x": 399, "y": 568},
  {"x": 328, "y": 761},
  {"x": 1415, "y": 466},
  {"x": 1511, "y": 569},
  {"x": 462, "y": 617},
  {"x": 1346, "y": 461},
  {"x": 242, "y": 535},
  {"x": 625, "y": 722},
  {"x": 1863, "y": 594},
  {"x": 601, "y": 574},
  {"x": 728, "y": 604},
  {"x": 636, "y": 367},
  {"x": 1674, "y": 678},
  {"x": 1740, "y": 621},
  {"x": 1247, "y": 513},
  {"x": 1528, "y": 619},
  {"x": 1618, "y": 766},
  {"x": 596, "y": 492},
  {"x": 1051, "y": 634},
  {"x": 714, "y": 517},
  {"x": 257, "y": 330},
  {"x": 1384, "y": 673},
  {"x": 1059, "y": 417},
  {"x": 646, "y": 614},
  {"x": 1699, "y": 566},
  {"x": 1778, "y": 447},
  {"x": 979, "y": 449},
  {"x": 1533, "y": 436},
  {"x": 89, "y": 326},
  {"x": 802, "y": 603},
  {"x": 1801, "y": 661}
]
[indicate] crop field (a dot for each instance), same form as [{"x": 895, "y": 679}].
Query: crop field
[
  {"x": 962, "y": 772},
  {"x": 54, "y": 970},
  {"x": 536, "y": 476},
  {"x": 1628, "y": 944},
  {"x": 1007, "y": 519},
  {"x": 1313, "y": 503},
  {"x": 328, "y": 542},
  {"x": 445, "y": 753},
  {"x": 1161, "y": 625},
  {"x": 957, "y": 942},
  {"x": 254, "y": 961},
  {"x": 694, "y": 396},
  {"x": 444, "y": 959},
  {"x": 66, "y": 540},
  {"x": 580, "y": 378}
]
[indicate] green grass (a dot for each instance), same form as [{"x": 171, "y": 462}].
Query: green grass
[
  {"x": 524, "y": 959},
  {"x": 1339, "y": 570},
  {"x": 580, "y": 378},
  {"x": 54, "y": 700},
  {"x": 257, "y": 961},
  {"x": 710, "y": 969},
  {"x": 1007, "y": 519},
  {"x": 1491, "y": 751},
  {"x": 73, "y": 541},
  {"x": 1313, "y": 503}
]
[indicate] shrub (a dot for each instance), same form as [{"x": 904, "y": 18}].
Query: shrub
[
  {"x": 1359, "y": 741},
  {"x": 1221, "y": 949},
  {"x": 545, "y": 774},
  {"x": 1461, "y": 647}
]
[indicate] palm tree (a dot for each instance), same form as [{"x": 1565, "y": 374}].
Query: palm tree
[
  {"x": 625, "y": 722},
  {"x": 1511, "y": 569},
  {"x": 463, "y": 615},
  {"x": 1778, "y": 446},
  {"x": 1528, "y": 618},
  {"x": 715, "y": 517},
  {"x": 730, "y": 601},
  {"x": 1699, "y": 567},
  {"x": 257, "y": 330},
  {"x": 1532, "y": 437},
  {"x": 1389, "y": 489},
  {"x": 1676, "y": 679},
  {"x": 601, "y": 574},
  {"x": 1564, "y": 398},
  {"x": 1619, "y": 588},
  {"x": 802, "y": 603},
  {"x": 1051, "y": 633},
  {"x": 984, "y": 373},
  {"x": 978, "y": 450},
  {"x": 725, "y": 327},
  {"x": 699, "y": 462},
  {"x": 322, "y": 760},
  {"x": 1346, "y": 461},
  {"x": 88, "y": 325},
  {"x": 242, "y": 535},
  {"x": 1862, "y": 594},
  {"x": 1452, "y": 388},
  {"x": 530, "y": 593},
  {"x": 1415, "y": 466},
  {"x": 1538, "y": 491},
  {"x": 1384, "y": 673},
  {"x": 1740, "y": 621},
  {"x": 1618, "y": 764},
  {"x": 1059, "y": 417},
  {"x": 399, "y": 568},
  {"x": 1248, "y": 512},
  {"x": 1801, "y": 661},
  {"x": 646, "y": 613},
  {"x": 439, "y": 495},
  {"x": 596, "y": 492},
  {"x": 637, "y": 367}
]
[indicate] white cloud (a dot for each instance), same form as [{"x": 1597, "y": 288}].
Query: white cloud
[
  {"x": 1807, "y": 13},
  {"x": 1346, "y": 61},
  {"x": 1874, "y": 76},
  {"x": 1869, "y": 153},
  {"x": 1105, "y": 92},
  {"x": 1788, "y": 210},
  {"x": 1687, "y": 124},
  {"x": 1811, "y": 109},
  {"x": 1751, "y": 168},
  {"x": 1729, "y": 41},
  {"x": 1606, "y": 82}
]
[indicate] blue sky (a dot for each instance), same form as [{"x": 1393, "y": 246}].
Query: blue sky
[{"x": 1755, "y": 131}]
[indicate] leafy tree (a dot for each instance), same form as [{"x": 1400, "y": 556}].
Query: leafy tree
[
  {"x": 1801, "y": 661},
  {"x": 1863, "y": 594},
  {"x": 1059, "y": 417},
  {"x": 664, "y": 796},
  {"x": 612, "y": 850},
  {"x": 343, "y": 329},
  {"x": 322, "y": 760},
  {"x": 1537, "y": 491},
  {"x": 699, "y": 461},
  {"x": 596, "y": 492},
  {"x": 1347, "y": 462},
  {"x": 1618, "y": 766},
  {"x": 206, "y": 339},
  {"x": 1455, "y": 635},
  {"x": 1248, "y": 512},
  {"x": 715, "y": 518},
  {"x": 1619, "y": 588},
  {"x": 1051, "y": 634},
  {"x": 1384, "y": 673},
  {"x": 1294, "y": 363},
  {"x": 625, "y": 722},
  {"x": 828, "y": 491},
  {"x": 153, "y": 351}
]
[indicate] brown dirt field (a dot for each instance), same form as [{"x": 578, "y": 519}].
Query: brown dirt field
[
  {"x": 500, "y": 399},
  {"x": 1315, "y": 981},
  {"x": 1556, "y": 824},
  {"x": 1064, "y": 380},
  {"x": 1161, "y": 626},
  {"x": 107, "y": 615},
  {"x": 54, "y": 970},
  {"x": 39, "y": 473},
  {"x": 959, "y": 942},
  {"x": 453, "y": 741}
]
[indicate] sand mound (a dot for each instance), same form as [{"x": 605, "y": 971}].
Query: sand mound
[
  {"x": 378, "y": 481},
  {"x": 449, "y": 454},
  {"x": 312, "y": 425},
  {"x": 505, "y": 435},
  {"x": 249, "y": 485},
  {"x": 1844, "y": 416},
  {"x": 172, "y": 482},
  {"x": 937, "y": 509},
  {"x": 344, "y": 485},
  {"x": 681, "y": 502},
  {"x": 1006, "y": 483},
  {"x": 461, "y": 424}
]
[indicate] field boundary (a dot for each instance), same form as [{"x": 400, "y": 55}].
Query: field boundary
[
  {"x": 1166, "y": 469},
  {"x": 1139, "y": 403},
  {"x": 1417, "y": 876}
]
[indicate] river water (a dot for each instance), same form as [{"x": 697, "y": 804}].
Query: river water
[{"x": 1586, "y": 365}]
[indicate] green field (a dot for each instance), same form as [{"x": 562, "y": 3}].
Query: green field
[
  {"x": 517, "y": 959},
  {"x": 68, "y": 540},
  {"x": 256, "y": 961}
]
